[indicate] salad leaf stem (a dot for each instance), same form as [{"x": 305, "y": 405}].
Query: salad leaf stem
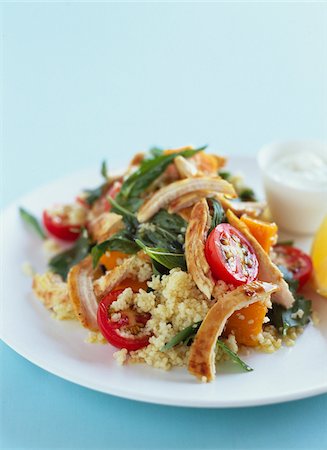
[{"x": 32, "y": 221}]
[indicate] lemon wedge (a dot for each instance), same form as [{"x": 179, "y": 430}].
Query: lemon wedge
[{"x": 319, "y": 258}]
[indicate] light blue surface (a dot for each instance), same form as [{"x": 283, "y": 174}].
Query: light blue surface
[{"x": 83, "y": 82}]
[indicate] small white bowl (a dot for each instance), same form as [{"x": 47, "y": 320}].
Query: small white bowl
[{"x": 298, "y": 209}]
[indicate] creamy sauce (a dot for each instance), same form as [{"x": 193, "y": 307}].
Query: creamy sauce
[{"x": 301, "y": 170}]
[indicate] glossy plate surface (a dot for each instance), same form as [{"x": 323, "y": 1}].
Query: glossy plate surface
[{"x": 60, "y": 347}]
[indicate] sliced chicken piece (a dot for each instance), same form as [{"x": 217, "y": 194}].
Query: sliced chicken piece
[
  {"x": 167, "y": 194},
  {"x": 253, "y": 209},
  {"x": 202, "y": 353},
  {"x": 186, "y": 168},
  {"x": 135, "y": 266},
  {"x": 268, "y": 271},
  {"x": 186, "y": 213},
  {"x": 104, "y": 226},
  {"x": 188, "y": 200},
  {"x": 81, "y": 293},
  {"x": 196, "y": 235}
]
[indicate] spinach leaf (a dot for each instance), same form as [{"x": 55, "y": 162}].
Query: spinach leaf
[
  {"x": 247, "y": 195},
  {"x": 166, "y": 259},
  {"x": 165, "y": 231},
  {"x": 62, "y": 263},
  {"x": 156, "y": 151},
  {"x": 32, "y": 222},
  {"x": 92, "y": 195},
  {"x": 293, "y": 284},
  {"x": 104, "y": 170},
  {"x": 183, "y": 336},
  {"x": 296, "y": 316},
  {"x": 121, "y": 241},
  {"x": 289, "y": 242},
  {"x": 224, "y": 175},
  {"x": 149, "y": 170},
  {"x": 233, "y": 356},
  {"x": 187, "y": 335},
  {"x": 218, "y": 213},
  {"x": 171, "y": 222},
  {"x": 129, "y": 218}
]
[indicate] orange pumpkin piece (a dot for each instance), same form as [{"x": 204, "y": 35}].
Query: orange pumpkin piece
[
  {"x": 246, "y": 324},
  {"x": 109, "y": 259},
  {"x": 264, "y": 232},
  {"x": 208, "y": 164}
]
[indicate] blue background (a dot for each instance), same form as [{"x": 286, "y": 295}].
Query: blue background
[{"x": 83, "y": 82}]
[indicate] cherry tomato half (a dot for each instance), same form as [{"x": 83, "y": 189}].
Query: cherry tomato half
[
  {"x": 295, "y": 260},
  {"x": 230, "y": 255},
  {"x": 57, "y": 221},
  {"x": 123, "y": 329}
]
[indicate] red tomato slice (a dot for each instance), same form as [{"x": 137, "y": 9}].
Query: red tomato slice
[
  {"x": 295, "y": 260},
  {"x": 58, "y": 224},
  {"x": 231, "y": 256},
  {"x": 126, "y": 332}
]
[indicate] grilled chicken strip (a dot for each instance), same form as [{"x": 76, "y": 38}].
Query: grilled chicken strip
[
  {"x": 186, "y": 168},
  {"x": 253, "y": 209},
  {"x": 167, "y": 194},
  {"x": 104, "y": 226},
  {"x": 268, "y": 271},
  {"x": 196, "y": 235},
  {"x": 130, "y": 266},
  {"x": 189, "y": 200},
  {"x": 202, "y": 353},
  {"x": 81, "y": 294}
]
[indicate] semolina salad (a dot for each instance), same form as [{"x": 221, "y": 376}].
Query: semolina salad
[{"x": 174, "y": 263}]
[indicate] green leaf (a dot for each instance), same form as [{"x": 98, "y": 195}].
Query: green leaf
[
  {"x": 283, "y": 319},
  {"x": 233, "y": 356},
  {"x": 129, "y": 218},
  {"x": 63, "y": 262},
  {"x": 156, "y": 151},
  {"x": 293, "y": 284},
  {"x": 150, "y": 169},
  {"x": 187, "y": 335},
  {"x": 166, "y": 259},
  {"x": 289, "y": 243},
  {"x": 32, "y": 222},
  {"x": 92, "y": 195},
  {"x": 224, "y": 175},
  {"x": 165, "y": 231},
  {"x": 104, "y": 170},
  {"x": 247, "y": 195},
  {"x": 183, "y": 336},
  {"x": 122, "y": 241},
  {"x": 218, "y": 213}
]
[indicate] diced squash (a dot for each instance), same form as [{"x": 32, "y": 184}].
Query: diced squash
[
  {"x": 264, "y": 232},
  {"x": 246, "y": 324},
  {"x": 207, "y": 163},
  {"x": 110, "y": 259}
]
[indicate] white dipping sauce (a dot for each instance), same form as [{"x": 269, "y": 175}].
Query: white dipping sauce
[{"x": 304, "y": 170}]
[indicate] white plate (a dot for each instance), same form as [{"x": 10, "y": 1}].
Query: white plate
[{"x": 59, "y": 347}]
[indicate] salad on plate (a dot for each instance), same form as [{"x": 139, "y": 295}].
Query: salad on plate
[{"x": 175, "y": 263}]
